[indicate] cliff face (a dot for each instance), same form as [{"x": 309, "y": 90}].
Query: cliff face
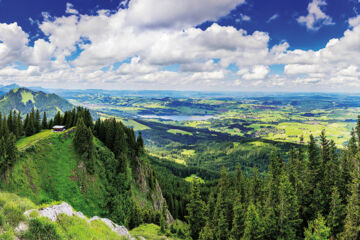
[{"x": 148, "y": 185}]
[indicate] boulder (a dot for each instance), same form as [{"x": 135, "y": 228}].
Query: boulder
[{"x": 52, "y": 213}]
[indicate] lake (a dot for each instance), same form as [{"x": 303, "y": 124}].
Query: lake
[{"x": 180, "y": 118}]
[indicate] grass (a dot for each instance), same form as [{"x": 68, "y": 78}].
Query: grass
[
  {"x": 78, "y": 228},
  {"x": 178, "y": 131},
  {"x": 149, "y": 232},
  {"x": 26, "y": 97},
  {"x": 28, "y": 141},
  {"x": 194, "y": 178},
  {"x": 51, "y": 170},
  {"x": 12, "y": 208}
]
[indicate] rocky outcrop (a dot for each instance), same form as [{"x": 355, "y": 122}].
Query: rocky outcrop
[
  {"x": 54, "y": 211},
  {"x": 143, "y": 177},
  {"x": 121, "y": 230}
]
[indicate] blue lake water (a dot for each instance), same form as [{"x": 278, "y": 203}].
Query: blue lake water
[{"x": 180, "y": 118}]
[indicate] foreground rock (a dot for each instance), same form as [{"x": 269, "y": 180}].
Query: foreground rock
[{"x": 52, "y": 213}]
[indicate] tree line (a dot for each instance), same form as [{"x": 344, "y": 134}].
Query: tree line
[{"x": 314, "y": 195}]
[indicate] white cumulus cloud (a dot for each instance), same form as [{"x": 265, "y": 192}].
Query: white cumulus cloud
[{"x": 316, "y": 17}]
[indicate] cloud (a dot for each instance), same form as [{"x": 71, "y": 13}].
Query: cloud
[
  {"x": 273, "y": 18},
  {"x": 13, "y": 44},
  {"x": 316, "y": 18},
  {"x": 70, "y": 9},
  {"x": 243, "y": 18},
  {"x": 115, "y": 53},
  {"x": 256, "y": 73},
  {"x": 179, "y": 14}
]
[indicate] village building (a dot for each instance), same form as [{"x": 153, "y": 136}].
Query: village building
[{"x": 58, "y": 128}]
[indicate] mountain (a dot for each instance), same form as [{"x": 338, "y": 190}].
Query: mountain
[
  {"x": 121, "y": 187},
  {"x": 7, "y": 88},
  {"x": 23, "y": 100}
]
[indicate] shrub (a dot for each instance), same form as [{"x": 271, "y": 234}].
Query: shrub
[
  {"x": 13, "y": 214},
  {"x": 7, "y": 236},
  {"x": 42, "y": 229}
]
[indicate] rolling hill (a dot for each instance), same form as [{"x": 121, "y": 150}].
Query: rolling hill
[{"x": 23, "y": 100}]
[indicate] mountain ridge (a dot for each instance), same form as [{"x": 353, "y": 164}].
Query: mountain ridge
[{"x": 24, "y": 100}]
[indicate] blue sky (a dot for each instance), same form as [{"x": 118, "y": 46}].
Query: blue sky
[{"x": 278, "y": 45}]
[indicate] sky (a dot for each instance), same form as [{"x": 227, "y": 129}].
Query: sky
[{"x": 208, "y": 45}]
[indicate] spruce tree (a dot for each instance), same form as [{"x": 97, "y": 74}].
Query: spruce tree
[
  {"x": 83, "y": 142},
  {"x": 19, "y": 126},
  {"x": 57, "y": 119},
  {"x": 288, "y": 210},
  {"x": 44, "y": 123},
  {"x": 223, "y": 210},
  {"x": 37, "y": 123},
  {"x": 254, "y": 227},
  {"x": 336, "y": 216},
  {"x": 317, "y": 229},
  {"x": 352, "y": 220},
  {"x": 237, "y": 230},
  {"x": 208, "y": 232},
  {"x": 196, "y": 211}
]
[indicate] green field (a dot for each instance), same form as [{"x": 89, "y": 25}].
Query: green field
[
  {"x": 25, "y": 142},
  {"x": 270, "y": 122}
]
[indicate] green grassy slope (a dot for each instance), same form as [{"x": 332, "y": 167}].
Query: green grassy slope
[{"x": 51, "y": 170}]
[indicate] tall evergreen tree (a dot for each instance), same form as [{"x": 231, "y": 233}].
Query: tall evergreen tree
[
  {"x": 237, "y": 230},
  {"x": 254, "y": 227},
  {"x": 317, "y": 229},
  {"x": 44, "y": 123},
  {"x": 352, "y": 220},
  {"x": 288, "y": 210},
  {"x": 83, "y": 141},
  {"x": 196, "y": 211},
  {"x": 37, "y": 123},
  {"x": 336, "y": 216}
]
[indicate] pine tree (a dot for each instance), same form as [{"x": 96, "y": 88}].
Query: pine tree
[
  {"x": 237, "y": 230},
  {"x": 255, "y": 186},
  {"x": 29, "y": 128},
  {"x": 223, "y": 210},
  {"x": 315, "y": 179},
  {"x": 254, "y": 228},
  {"x": 352, "y": 220},
  {"x": 19, "y": 126},
  {"x": 241, "y": 185},
  {"x": 37, "y": 123},
  {"x": 11, "y": 150},
  {"x": 139, "y": 144},
  {"x": 336, "y": 216},
  {"x": 83, "y": 142},
  {"x": 196, "y": 211},
  {"x": 57, "y": 119},
  {"x": 288, "y": 210},
  {"x": 317, "y": 229},
  {"x": 208, "y": 232},
  {"x": 44, "y": 123}
]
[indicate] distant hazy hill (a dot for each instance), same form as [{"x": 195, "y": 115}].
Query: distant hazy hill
[
  {"x": 5, "y": 89},
  {"x": 24, "y": 100}
]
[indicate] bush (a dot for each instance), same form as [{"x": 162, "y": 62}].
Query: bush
[
  {"x": 2, "y": 219},
  {"x": 42, "y": 229},
  {"x": 13, "y": 214},
  {"x": 7, "y": 236}
]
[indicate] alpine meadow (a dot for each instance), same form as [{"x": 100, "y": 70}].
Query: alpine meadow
[{"x": 180, "y": 120}]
